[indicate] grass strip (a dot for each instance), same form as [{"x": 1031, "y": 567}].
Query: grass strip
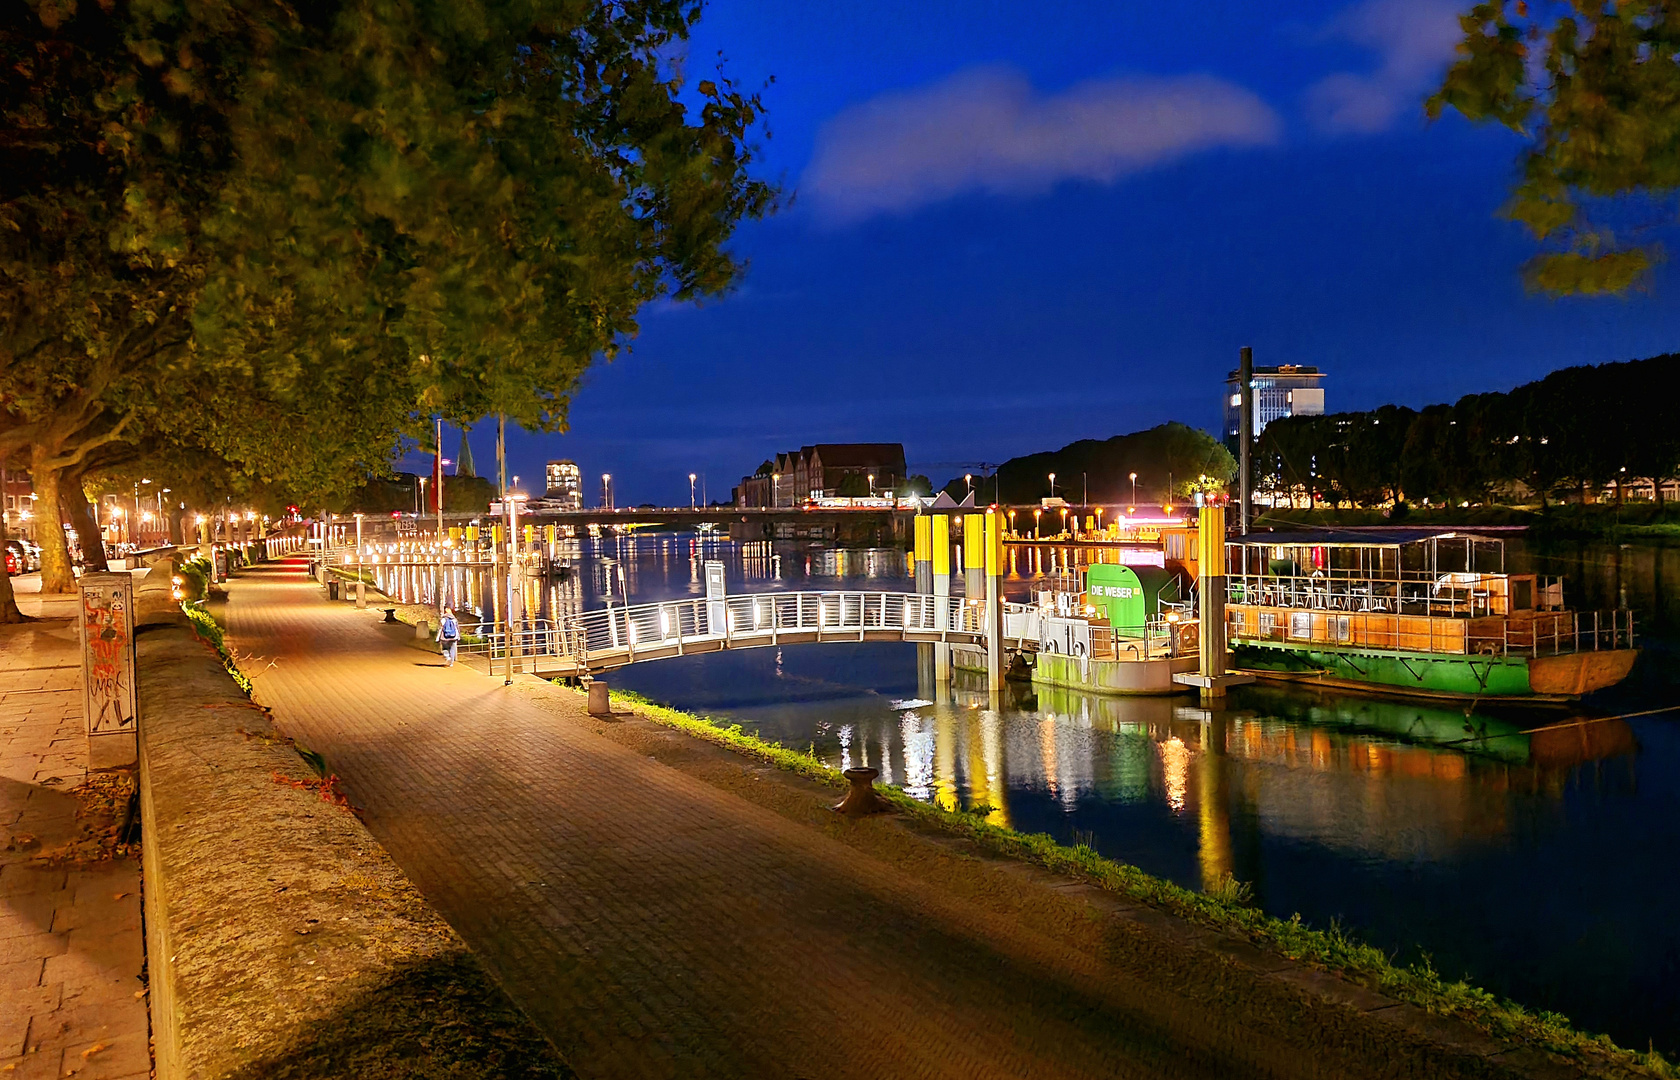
[
  {"x": 1226, "y": 909},
  {"x": 210, "y": 632}
]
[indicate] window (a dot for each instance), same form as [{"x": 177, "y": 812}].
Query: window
[
  {"x": 1341, "y": 628},
  {"x": 1268, "y": 623},
  {"x": 1300, "y": 625}
]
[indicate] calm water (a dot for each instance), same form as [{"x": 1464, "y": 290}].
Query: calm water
[{"x": 1540, "y": 865}]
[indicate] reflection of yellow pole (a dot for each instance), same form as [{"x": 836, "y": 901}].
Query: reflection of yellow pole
[
  {"x": 1213, "y": 813},
  {"x": 944, "y": 757},
  {"x": 991, "y": 759}
]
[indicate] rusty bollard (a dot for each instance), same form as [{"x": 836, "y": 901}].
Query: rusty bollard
[
  {"x": 861, "y": 799},
  {"x": 599, "y": 703}
]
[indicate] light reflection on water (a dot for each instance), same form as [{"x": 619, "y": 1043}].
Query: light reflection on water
[{"x": 1539, "y": 864}]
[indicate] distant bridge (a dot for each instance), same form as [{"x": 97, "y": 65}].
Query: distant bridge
[{"x": 606, "y": 638}]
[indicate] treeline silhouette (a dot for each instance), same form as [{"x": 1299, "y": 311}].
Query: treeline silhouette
[{"x": 1578, "y": 430}]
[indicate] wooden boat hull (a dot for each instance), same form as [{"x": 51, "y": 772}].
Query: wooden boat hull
[{"x": 1443, "y": 676}]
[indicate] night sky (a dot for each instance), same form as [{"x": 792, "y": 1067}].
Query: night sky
[{"x": 1015, "y": 225}]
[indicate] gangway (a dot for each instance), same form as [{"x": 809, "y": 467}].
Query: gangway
[{"x": 596, "y": 641}]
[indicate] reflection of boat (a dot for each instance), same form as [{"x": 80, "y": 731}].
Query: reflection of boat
[
  {"x": 1414, "y": 612},
  {"x": 1510, "y": 737}
]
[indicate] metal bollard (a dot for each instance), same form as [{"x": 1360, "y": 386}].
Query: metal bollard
[
  {"x": 861, "y": 800},
  {"x": 600, "y": 704}
]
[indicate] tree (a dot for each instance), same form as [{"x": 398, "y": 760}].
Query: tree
[
  {"x": 1594, "y": 88},
  {"x": 328, "y": 224}
]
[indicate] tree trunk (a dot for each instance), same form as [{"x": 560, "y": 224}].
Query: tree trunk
[
  {"x": 9, "y": 612},
  {"x": 58, "y": 575},
  {"x": 76, "y": 508}
]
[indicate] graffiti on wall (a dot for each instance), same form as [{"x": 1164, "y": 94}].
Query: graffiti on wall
[{"x": 107, "y": 624}]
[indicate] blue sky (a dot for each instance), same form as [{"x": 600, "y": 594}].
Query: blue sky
[{"x": 1016, "y": 225}]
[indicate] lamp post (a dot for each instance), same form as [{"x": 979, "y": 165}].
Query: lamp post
[
  {"x": 871, "y": 485},
  {"x": 691, "y": 479},
  {"x": 1052, "y": 485},
  {"x": 1134, "y": 489},
  {"x": 1036, "y": 513},
  {"x": 606, "y": 491},
  {"x": 968, "y": 478},
  {"x": 1011, "y": 523},
  {"x": 1064, "y": 520},
  {"x": 1099, "y": 521},
  {"x": 775, "y": 489}
]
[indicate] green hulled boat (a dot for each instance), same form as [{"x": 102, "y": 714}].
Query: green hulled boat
[{"x": 1415, "y": 612}]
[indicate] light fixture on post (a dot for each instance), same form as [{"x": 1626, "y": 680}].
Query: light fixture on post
[
  {"x": 1052, "y": 485},
  {"x": 691, "y": 479}
]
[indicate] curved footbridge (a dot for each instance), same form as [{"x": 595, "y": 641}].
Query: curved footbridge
[{"x": 600, "y": 640}]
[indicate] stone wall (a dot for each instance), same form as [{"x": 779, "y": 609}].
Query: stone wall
[{"x": 281, "y": 938}]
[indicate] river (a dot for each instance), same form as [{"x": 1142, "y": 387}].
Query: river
[{"x": 1539, "y": 865}]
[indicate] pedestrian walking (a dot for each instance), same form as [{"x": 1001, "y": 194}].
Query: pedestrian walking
[{"x": 449, "y": 635}]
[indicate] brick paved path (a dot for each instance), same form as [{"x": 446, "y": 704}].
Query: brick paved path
[
  {"x": 657, "y": 926},
  {"x": 71, "y": 951}
]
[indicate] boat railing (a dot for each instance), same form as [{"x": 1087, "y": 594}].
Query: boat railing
[
  {"x": 1421, "y": 597},
  {"x": 1547, "y": 634}
]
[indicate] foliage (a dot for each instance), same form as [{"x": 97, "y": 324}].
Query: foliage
[
  {"x": 1227, "y": 909},
  {"x": 195, "y": 574},
  {"x": 224, "y": 246},
  {"x": 1170, "y": 452},
  {"x": 1594, "y": 89},
  {"x": 1579, "y": 428},
  {"x": 210, "y": 631}
]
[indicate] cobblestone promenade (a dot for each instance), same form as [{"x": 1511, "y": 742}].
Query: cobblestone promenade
[{"x": 656, "y": 924}]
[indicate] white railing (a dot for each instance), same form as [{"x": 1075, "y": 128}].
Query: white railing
[{"x": 610, "y": 636}]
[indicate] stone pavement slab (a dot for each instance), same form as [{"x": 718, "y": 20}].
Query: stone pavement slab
[
  {"x": 657, "y": 923},
  {"x": 72, "y": 1002}
]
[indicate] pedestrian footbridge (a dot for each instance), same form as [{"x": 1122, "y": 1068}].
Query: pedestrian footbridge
[{"x": 597, "y": 641}]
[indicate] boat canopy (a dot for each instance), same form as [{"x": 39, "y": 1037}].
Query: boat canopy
[
  {"x": 1384, "y": 537},
  {"x": 1384, "y": 554}
]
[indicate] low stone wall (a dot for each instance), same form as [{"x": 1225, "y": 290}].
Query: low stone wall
[{"x": 281, "y": 939}]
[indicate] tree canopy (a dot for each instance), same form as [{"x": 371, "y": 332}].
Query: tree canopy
[
  {"x": 1580, "y": 428},
  {"x": 266, "y": 242},
  {"x": 1594, "y": 89},
  {"x": 1171, "y": 452}
]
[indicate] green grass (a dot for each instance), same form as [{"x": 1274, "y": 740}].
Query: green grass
[
  {"x": 1226, "y": 909},
  {"x": 210, "y": 631}
]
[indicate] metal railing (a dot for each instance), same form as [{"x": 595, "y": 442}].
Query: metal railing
[
  {"x": 669, "y": 627},
  {"x": 1545, "y": 633},
  {"x": 1448, "y": 596}
]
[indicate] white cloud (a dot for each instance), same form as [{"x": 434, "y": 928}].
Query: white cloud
[
  {"x": 987, "y": 130},
  {"x": 1414, "y": 41}
]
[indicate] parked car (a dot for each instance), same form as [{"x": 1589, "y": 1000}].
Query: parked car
[{"x": 23, "y": 555}]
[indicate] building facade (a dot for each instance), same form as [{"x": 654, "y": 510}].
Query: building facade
[
  {"x": 1285, "y": 390},
  {"x": 564, "y": 485},
  {"x": 824, "y": 470}
]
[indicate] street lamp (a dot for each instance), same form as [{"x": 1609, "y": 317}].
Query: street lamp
[
  {"x": 606, "y": 491},
  {"x": 1134, "y": 489},
  {"x": 1036, "y": 513},
  {"x": 871, "y": 485},
  {"x": 1099, "y": 521},
  {"x": 1011, "y": 523},
  {"x": 775, "y": 489},
  {"x": 1052, "y": 485},
  {"x": 1064, "y": 519},
  {"x": 968, "y": 478},
  {"x": 691, "y": 479}
]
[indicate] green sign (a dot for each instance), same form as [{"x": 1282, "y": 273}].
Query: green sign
[{"x": 1128, "y": 597}]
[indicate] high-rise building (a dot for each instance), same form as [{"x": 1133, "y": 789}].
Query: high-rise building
[
  {"x": 565, "y": 484},
  {"x": 1285, "y": 390}
]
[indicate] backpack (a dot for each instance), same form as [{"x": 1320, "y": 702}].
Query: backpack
[{"x": 450, "y": 630}]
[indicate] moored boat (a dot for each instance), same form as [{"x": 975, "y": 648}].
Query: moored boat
[{"x": 1417, "y": 612}]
